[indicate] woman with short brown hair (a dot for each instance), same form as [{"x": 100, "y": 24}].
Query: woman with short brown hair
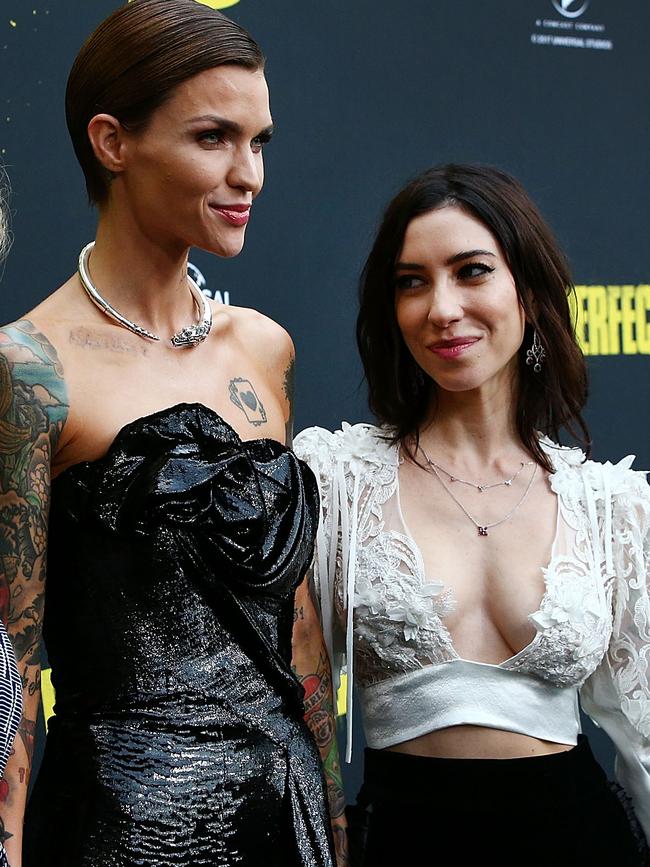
[{"x": 149, "y": 461}]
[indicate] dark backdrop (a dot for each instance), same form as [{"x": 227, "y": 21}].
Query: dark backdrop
[{"x": 365, "y": 93}]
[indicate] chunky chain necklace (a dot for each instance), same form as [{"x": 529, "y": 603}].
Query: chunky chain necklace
[
  {"x": 189, "y": 336},
  {"x": 479, "y": 488},
  {"x": 482, "y": 528}
]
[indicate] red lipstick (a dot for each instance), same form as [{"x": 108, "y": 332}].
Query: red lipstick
[
  {"x": 453, "y": 347},
  {"x": 236, "y": 215}
]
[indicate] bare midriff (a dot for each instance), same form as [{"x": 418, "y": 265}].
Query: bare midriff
[{"x": 477, "y": 742}]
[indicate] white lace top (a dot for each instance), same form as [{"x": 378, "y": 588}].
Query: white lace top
[{"x": 592, "y": 625}]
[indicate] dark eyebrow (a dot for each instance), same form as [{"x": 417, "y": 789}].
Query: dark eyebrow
[
  {"x": 229, "y": 125},
  {"x": 223, "y": 122},
  {"x": 453, "y": 260},
  {"x": 469, "y": 254}
]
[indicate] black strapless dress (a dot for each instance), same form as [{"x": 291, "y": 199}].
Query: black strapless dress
[{"x": 178, "y": 737}]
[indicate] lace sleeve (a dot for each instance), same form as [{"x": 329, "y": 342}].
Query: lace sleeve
[
  {"x": 317, "y": 447},
  {"x": 617, "y": 695}
]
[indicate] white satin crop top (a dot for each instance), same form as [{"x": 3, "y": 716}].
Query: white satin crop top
[{"x": 592, "y": 626}]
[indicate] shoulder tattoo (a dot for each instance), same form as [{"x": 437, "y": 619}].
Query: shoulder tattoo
[
  {"x": 33, "y": 410},
  {"x": 289, "y": 386}
]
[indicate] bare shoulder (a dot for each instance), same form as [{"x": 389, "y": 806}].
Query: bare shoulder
[
  {"x": 261, "y": 336},
  {"x": 21, "y": 343},
  {"x": 49, "y": 321},
  {"x": 271, "y": 348},
  {"x": 33, "y": 395},
  {"x": 66, "y": 302}
]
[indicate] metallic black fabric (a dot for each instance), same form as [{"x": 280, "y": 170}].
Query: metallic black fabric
[{"x": 178, "y": 737}]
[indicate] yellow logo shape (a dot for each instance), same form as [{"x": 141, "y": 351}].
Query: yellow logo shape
[
  {"x": 47, "y": 694},
  {"x": 218, "y": 4},
  {"x": 213, "y": 4}
]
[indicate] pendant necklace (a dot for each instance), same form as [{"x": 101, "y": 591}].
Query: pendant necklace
[
  {"x": 189, "y": 336},
  {"x": 482, "y": 528}
]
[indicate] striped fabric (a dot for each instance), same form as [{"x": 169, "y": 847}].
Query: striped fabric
[
  {"x": 11, "y": 707},
  {"x": 11, "y": 698}
]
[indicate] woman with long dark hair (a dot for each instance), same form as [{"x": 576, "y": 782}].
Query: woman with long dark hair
[
  {"x": 145, "y": 452},
  {"x": 478, "y": 576}
]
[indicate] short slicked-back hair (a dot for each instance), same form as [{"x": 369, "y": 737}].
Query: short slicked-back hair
[{"x": 133, "y": 61}]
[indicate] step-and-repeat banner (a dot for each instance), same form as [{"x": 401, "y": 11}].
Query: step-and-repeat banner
[{"x": 366, "y": 93}]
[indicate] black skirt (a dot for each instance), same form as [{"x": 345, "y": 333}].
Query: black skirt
[{"x": 544, "y": 811}]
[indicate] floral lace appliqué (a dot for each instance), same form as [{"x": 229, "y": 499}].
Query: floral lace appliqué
[
  {"x": 397, "y": 616},
  {"x": 595, "y": 610}
]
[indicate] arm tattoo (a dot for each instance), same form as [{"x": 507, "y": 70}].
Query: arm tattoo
[
  {"x": 340, "y": 844},
  {"x": 27, "y": 732},
  {"x": 244, "y": 396},
  {"x": 289, "y": 386},
  {"x": 4, "y": 834},
  {"x": 33, "y": 410},
  {"x": 319, "y": 716}
]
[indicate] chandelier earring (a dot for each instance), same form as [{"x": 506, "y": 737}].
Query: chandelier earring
[{"x": 536, "y": 355}]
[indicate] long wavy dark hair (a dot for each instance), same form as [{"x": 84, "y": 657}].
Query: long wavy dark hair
[{"x": 399, "y": 395}]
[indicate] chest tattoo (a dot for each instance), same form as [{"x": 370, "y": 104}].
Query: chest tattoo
[{"x": 243, "y": 395}]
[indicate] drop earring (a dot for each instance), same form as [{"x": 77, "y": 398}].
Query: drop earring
[{"x": 535, "y": 355}]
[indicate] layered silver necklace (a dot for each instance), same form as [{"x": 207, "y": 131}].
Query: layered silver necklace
[
  {"x": 187, "y": 337},
  {"x": 482, "y": 528},
  {"x": 482, "y": 487}
]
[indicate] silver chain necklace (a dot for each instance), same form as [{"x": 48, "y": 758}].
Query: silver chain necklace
[
  {"x": 482, "y": 528},
  {"x": 189, "y": 336},
  {"x": 480, "y": 488}
]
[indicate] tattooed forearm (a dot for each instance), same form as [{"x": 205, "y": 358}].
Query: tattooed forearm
[
  {"x": 320, "y": 717},
  {"x": 27, "y": 732},
  {"x": 289, "y": 391},
  {"x": 244, "y": 396},
  {"x": 33, "y": 409},
  {"x": 340, "y": 833},
  {"x": 311, "y": 666},
  {"x": 4, "y": 834}
]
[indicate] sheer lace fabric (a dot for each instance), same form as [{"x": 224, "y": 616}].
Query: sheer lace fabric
[{"x": 592, "y": 624}]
